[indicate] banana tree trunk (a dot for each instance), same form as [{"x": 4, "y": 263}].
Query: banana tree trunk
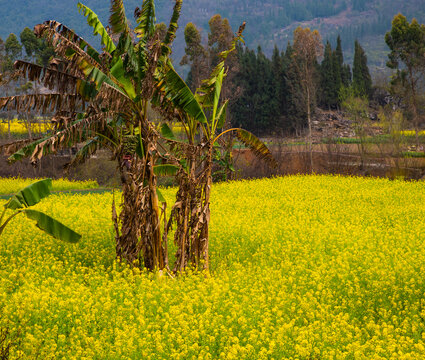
[
  {"x": 138, "y": 238},
  {"x": 128, "y": 230},
  {"x": 205, "y": 235},
  {"x": 183, "y": 212},
  {"x": 150, "y": 227},
  {"x": 191, "y": 213}
]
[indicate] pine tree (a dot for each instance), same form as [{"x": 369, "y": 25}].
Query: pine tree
[
  {"x": 346, "y": 75},
  {"x": 257, "y": 107},
  {"x": 328, "y": 94},
  {"x": 362, "y": 81},
  {"x": 266, "y": 95},
  {"x": 296, "y": 111},
  {"x": 338, "y": 51},
  {"x": 338, "y": 58},
  {"x": 279, "y": 88},
  {"x": 243, "y": 108}
]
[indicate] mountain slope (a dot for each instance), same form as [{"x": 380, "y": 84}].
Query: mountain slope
[{"x": 269, "y": 22}]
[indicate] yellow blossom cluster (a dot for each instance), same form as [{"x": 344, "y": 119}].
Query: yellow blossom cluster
[
  {"x": 14, "y": 184},
  {"x": 302, "y": 267},
  {"x": 19, "y": 127},
  {"x": 411, "y": 132}
]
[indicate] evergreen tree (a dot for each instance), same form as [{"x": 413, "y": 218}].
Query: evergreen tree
[
  {"x": 337, "y": 72},
  {"x": 346, "y": 75},
  {"x": 328, "y": 85},
  {"x": 279, "y": 88},
  {"x": 296, "y": 112},
  {"x": 30, "y": 42},
  {"x": 2, "y": 54},
  {"x": 257, "y": 107},
  {"x": 244, "y": 107},
  {"x": 362, "y": 81},
  {"x": 338, "y": 58},
  {"x": 338, "y": 51},
  {"x": 44, "y": 53},
  {"x": 266, "y": 95},
  {"x": 13, "y": 47}
]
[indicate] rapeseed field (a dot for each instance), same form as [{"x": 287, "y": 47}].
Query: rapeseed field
[
  {"x": 302, "y": 267},
  {"x": 19, "y": 127},
  {"x": 14, "y": 184}
]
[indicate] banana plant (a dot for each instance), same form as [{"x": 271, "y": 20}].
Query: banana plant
[
  {"x": 202, "y": 113},
  {"x": 101, "y": 99},
  {"x": 30, "y": 196}
]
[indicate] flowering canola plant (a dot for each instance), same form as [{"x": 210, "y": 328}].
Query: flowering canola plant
[
  {"x": 19, "y": 127},
  {"x": 14, "y": 184},
  {"x": 302, "y": 267},
  {"x": 411, "y": 132}
]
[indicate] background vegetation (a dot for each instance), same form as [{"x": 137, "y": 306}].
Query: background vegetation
[{"x": 269, "y": 22}]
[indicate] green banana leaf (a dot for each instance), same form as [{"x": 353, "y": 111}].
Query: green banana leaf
[
  {"x": 222, "y": 114},
  {"x": 52, "y": 226},
  {"x": 258, "y": 148},
  {"x": 172, "y": 27},
  {"x": 117, "y": 19},
  {"x": 182, "y": 97},
  {"x": 118, "y": 72},
  {"x": 166, "y": 132},
  {"x": 161, "y": 197},
  {"x": 25, "y": 151},
  {"x": 146, "y": 21},
  {"x": 165, "y": 170},
  {"x": 98, "y": 28},
  {"x": 30, "y": 195}
]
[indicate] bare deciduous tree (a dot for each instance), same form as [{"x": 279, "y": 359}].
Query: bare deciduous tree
[{"x": 307, "y": 48}]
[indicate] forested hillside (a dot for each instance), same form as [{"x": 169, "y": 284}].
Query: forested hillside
[{"x": 269, "y": 22}]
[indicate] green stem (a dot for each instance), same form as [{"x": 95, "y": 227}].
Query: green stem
[
  {"x": 7, "y": 221},
  {"x": 224, "y": 132},
  {"x": 108, "y": 139},
  {"x": 4, "y": 211}
]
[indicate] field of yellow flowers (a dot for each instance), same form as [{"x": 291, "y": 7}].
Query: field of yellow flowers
[
  {"x": 303, "y": 267},
  {"x": 14, "y": 184},
  {"x": 20, "y": 127}
]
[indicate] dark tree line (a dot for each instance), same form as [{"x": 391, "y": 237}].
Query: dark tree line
[
  {"x": 271, "y": 99},
  {"x": 267, "y": 95}
]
